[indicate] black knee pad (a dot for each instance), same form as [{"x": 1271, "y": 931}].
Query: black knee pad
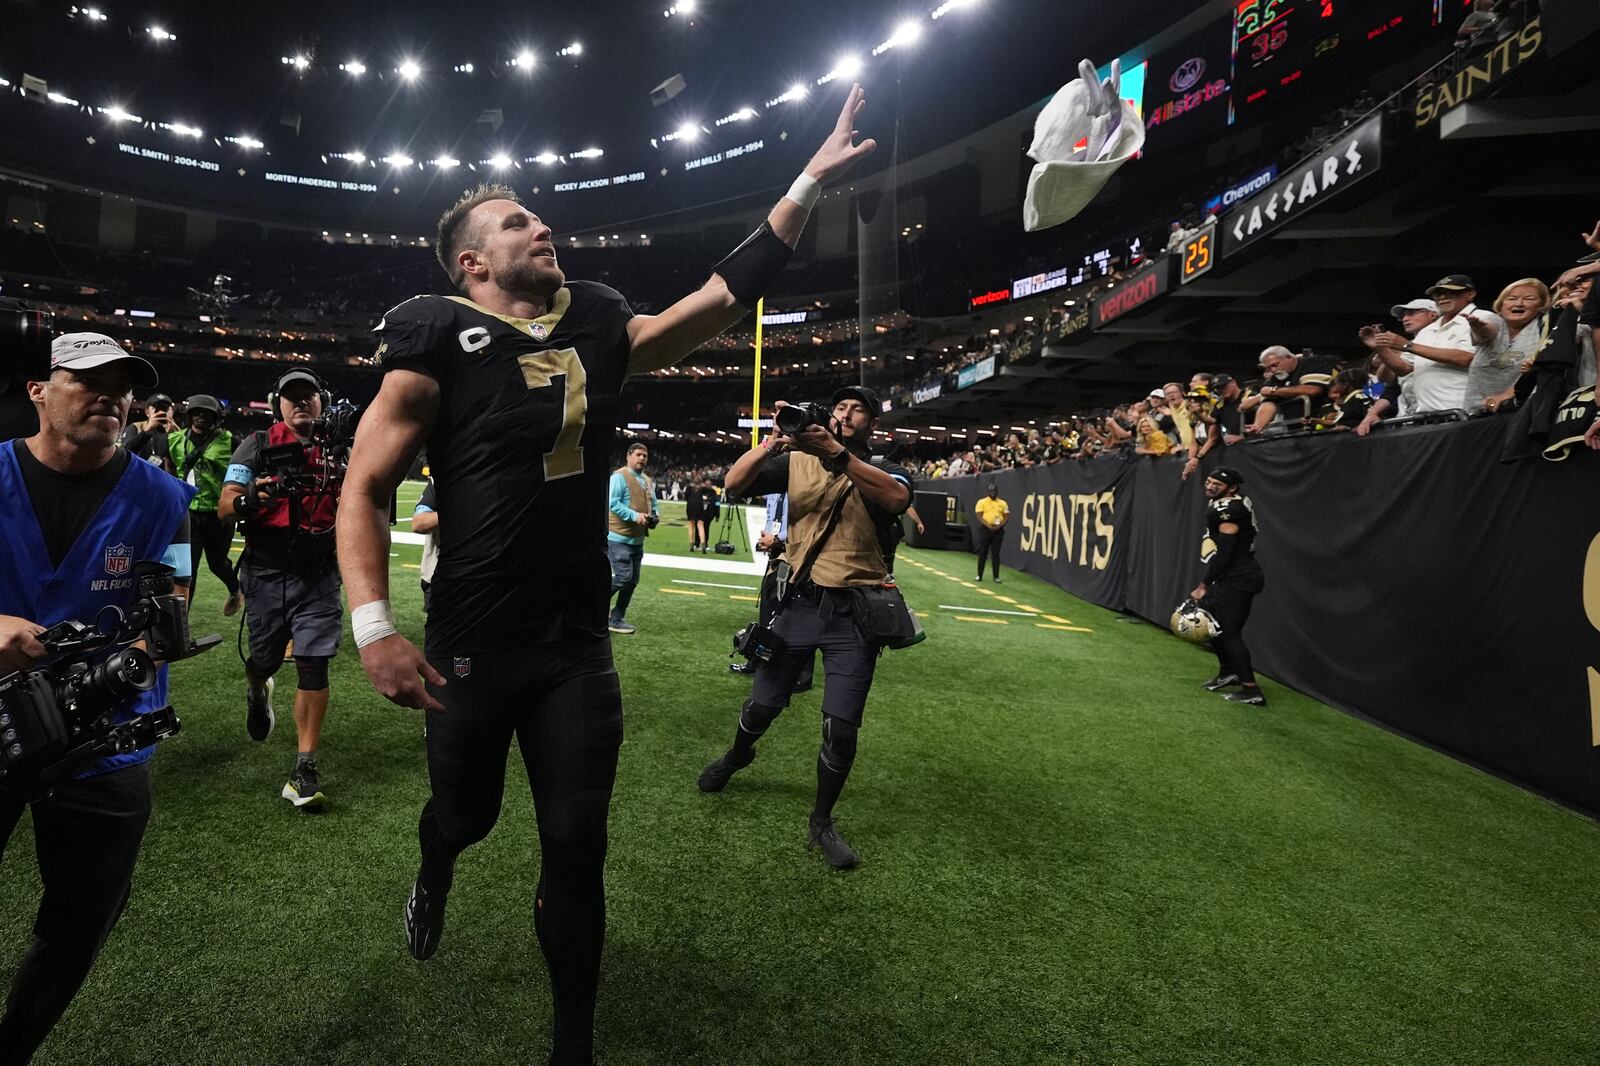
[
  {"x": 838, "y": 743},
  {"x": 262, "y": 671},
  {"x": 755, "y": 718},
  {"x": 313, "y": 671}
]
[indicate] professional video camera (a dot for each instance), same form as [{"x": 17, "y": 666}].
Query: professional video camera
[
  {"x": 794, "y": 417},
  {"x": 290, "y": 473},
  {"x": 57, "y": 718},
  {"x": 757, "y": 643},
  {"x": 25, "y": 336}
]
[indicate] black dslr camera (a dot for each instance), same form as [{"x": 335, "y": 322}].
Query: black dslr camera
[
  {"x": 58, "y": 718},
  {"x": 794, "y": 417},
  {"x": 757, "y": 643},
  {"x": 336, "y": 429}
]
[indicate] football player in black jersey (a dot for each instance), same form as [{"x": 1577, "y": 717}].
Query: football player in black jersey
[
  {"x": 1233, "y": 577},
  {"x": 513, "y": 386}
]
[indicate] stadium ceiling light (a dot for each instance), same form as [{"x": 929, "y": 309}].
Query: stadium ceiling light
[
  {"x": 159, "y": 34},
  {"x": 245, "y": 141},
  {"x": 738, "y": 116},
  {"x": 444, "y": 162},
  {"x": 546, "y": 158},
  {"x": 524, "y": 60},
  {"x": 847, "y": 68},
  {"x": 397, "y": 159},
  {"x": 355, "y": 68},
  {"x": 573, "y": 49},
  {"x": 58, "y": 98},
  {"x": 796, "y": 91},
  {"x": 948, "y": 6},
  {"x": 588, "y": 153},
  {"x": 93, "y": 14},
  {"x": 689, "y": 131},
  {"x": 464, "y": 68},
  {"x": 116, "y": 114},
  {"x": 499, "y": 161},
  {"x": 682, "y": 7},
  {"x": 299, "y": 61},
  {"x": 908, "y": 32},
  {"x": 409, "y": 70},
  {"x": 182, "y": 128}
]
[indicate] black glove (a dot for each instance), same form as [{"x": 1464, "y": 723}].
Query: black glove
[{"x": 652, "y": 520}]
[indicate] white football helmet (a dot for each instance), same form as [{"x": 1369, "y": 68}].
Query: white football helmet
[{"x": 1194, "y": 623}]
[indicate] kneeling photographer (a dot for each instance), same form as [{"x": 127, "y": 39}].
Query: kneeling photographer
[
  {"x": 284, "y": 484},
  {"x": 836, "y": 593},
  {"x": 86, "y": 527}
]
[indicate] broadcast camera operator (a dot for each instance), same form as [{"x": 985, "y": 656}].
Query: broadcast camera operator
[
  {"x": 198, "y": 455},
  {"x": 841, "y": 505},
  {"x": 80, "y": 517},
  {"x": 284, "y": 483}
]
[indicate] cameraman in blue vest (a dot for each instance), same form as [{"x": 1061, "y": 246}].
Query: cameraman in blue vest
[{"x": 79, "y": 512}]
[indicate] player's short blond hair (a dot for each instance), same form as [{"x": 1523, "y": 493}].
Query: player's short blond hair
[{"x": 456, "y": 232}]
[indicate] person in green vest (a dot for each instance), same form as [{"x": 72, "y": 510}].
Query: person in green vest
[
  {"x": 199, "y": 456},
  {"x": 633, "y": 515}
]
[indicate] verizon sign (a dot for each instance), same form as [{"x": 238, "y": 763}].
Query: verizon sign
[
  {"x": 1133, "y": 293},
  {"x": 1355, "y": 154}
]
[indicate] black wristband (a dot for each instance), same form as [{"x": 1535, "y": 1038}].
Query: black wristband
[
  {"x": 839, "y": 463},
  {"x": 750, "y": 269}
]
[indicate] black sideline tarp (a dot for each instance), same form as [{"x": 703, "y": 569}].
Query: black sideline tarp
[{"x": 1411, "y": 577}]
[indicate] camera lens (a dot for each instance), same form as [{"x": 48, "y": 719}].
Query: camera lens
[{"x": 116, "y": 680}]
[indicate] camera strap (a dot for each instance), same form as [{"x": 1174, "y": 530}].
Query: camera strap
[
  {"x": 792, "y": 579},
  {"x": 196, "y": 453}
]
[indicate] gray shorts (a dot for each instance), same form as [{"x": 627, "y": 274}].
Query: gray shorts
[{"x": 280, "y": 606}]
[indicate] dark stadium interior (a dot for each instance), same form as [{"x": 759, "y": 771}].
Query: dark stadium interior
[{"x": 236, "y": 191}]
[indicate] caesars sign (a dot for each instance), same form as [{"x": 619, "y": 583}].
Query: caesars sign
[
  {"x": 1076, "y": 529},
  {"x": 1434, "y": 100}
]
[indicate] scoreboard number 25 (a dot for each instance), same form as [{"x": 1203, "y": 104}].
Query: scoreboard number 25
[{"x": 1199, "y": 254}]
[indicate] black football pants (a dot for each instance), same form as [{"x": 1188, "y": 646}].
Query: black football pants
[
  {"x": 87, "y": 836},
  {"x": 211, "y": 537},
  {"x": 563, "y": 703},
  {"x": 1229, "y": 602}
]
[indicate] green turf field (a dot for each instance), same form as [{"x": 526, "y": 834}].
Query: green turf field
[{"x": 1071, "y": 854}]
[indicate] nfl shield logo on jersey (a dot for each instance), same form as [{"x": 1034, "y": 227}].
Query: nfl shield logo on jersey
[
  {"x": 118, "y": 559},
  {"x": 538, "y": 332},
  {"x": 463, "y": 667}
]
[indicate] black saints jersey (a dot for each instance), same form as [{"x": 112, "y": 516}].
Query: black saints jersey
[
  {"x": 1236, "y": 509},
  {"x": 520, "y": 461}
]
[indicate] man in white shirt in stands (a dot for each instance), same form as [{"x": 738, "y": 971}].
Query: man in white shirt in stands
[{"x": 1437, "y": 358}]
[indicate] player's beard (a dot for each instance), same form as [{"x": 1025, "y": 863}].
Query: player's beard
[{"x": 532, "y": 278}]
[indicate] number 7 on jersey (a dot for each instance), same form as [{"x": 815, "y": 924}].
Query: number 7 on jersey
[{"x": 539, "y": 371}]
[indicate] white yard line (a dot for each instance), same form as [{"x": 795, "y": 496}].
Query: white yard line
[
  {"x": 983, "y": 610},
  {"x": 715, "y": 585}
]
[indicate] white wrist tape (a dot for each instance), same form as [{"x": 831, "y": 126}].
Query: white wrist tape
[
  {"x": 805, "y": 191},
  {"x": 372, "y": 621}
]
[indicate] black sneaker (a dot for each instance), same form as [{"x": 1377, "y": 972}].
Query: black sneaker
[
  {"x": 304, "y": 789},
  {"x": 259, "y": 718},
  {"x": 803, "y": 686},
  {"x": 424, "y": 922},
  {"x": 714, "y": 778},
  {"x": 836, "y": 851},
  {"x": 1222, "y": 681},
  {"x": 741, "y": 668},
  {"x": 1251, "y": 696}
]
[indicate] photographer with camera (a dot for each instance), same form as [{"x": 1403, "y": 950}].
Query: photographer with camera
[
  {"x": 199, "y": 456},
  {"x": 633, "y": 515},
  {"x": 148, "y": 439},
  {"x": 285, "y": 487},
  {"x": 842, "y": 502},
  {"x": 81, "y": 516}
]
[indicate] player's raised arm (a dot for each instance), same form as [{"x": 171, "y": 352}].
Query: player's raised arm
[
  {"x": 743, "y": 277},
  {"x": 391, "y": 433}
]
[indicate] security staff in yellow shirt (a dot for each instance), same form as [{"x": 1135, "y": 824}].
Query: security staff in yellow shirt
[{"x": 993, "y": 514}]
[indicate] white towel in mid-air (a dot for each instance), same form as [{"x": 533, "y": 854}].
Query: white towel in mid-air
[{"x": 1065, "y": 180}]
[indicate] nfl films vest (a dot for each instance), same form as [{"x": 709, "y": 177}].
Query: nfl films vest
[
  {"x": 136, "y": 522},
  {"x": 851, "y": 555},
  {"x": 638, "y": 500}
]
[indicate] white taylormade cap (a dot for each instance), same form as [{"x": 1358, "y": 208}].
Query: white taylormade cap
[{"x": 85, "y": 351}]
